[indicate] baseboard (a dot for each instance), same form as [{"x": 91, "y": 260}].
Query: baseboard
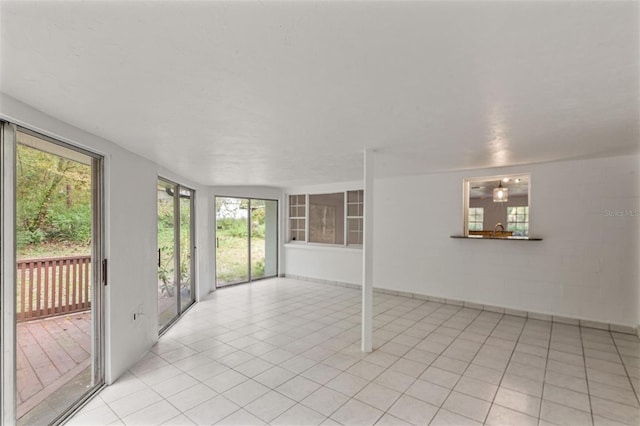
[{"x": 617, "y": 328}]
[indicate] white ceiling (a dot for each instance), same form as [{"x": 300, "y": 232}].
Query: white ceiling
[{"x": 290, "y": 93}]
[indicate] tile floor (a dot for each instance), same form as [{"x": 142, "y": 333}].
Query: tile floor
[{"x": 286, "y": 352}]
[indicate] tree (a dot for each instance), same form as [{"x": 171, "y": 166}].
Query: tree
[{"x": 53, "y": 196}]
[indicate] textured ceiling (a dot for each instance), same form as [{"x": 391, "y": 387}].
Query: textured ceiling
[{"x": 290, "y": 93}]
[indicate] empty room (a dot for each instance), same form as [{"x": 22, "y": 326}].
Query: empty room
[{"x": 320, "y": 212}]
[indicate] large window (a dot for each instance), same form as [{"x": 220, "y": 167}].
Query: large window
[
  {"x": 518, "y": 221},
  {"x": 335, "y": 218},
  {"x": 476, "y": 218}
]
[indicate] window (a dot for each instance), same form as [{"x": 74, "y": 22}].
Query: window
[
  {"x": 355, "y": 215},
  {"x": 518, "y": 221},
  {"x": 476, "y": 218},
  {"x": 326, "y": 218},
  {"x": 297, "y": 217},
  {"x": 335, "y": 218},
  {"x": 487, "y": 217}
]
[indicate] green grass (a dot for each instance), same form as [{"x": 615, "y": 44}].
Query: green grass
[
  {"x": 232, "y": 258},
  {"x": 56, "y": 249}
]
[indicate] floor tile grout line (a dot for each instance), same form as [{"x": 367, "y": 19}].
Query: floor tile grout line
[
  {"x": 271, "y": 389},
  {"x": 546, "y": 363},
  {"x": 388, "y": 368},
  {"x": 414, "y": 346},
  {"x": 504, "y": 372},
  {"x": 414, "y": 322},
  {"x": 440, "y": 325},
  {"x": 633, "y": 389},
  {"x": 296, "y": 375},
  {"x": 398, "y": 311},
  {"x": 586, "y": 373},
  {"x": 468, "y": 364}
]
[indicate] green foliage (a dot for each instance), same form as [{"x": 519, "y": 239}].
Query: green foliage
[
  {"x": 166, "y": 240},
  {"x": 232, "y": 227},
  {"x": 73, "y": 224},
  {"x": 24, "y": 237},
  {"x": 258, "y": 269},
  {"x": 53, "y": 197}
]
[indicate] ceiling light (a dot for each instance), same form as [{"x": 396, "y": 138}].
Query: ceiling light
[
  {"x": 505, "y": 180},
  {"x": 500, "y": 194}
]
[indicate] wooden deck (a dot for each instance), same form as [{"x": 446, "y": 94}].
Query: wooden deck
[{"x": 50, "y": 352}]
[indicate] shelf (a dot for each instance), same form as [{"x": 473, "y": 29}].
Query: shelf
[{"x": 481, "y": 237}]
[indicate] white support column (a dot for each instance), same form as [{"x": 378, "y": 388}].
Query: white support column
[{"x": 367, "y": 255}]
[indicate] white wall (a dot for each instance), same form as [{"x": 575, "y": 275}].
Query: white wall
[
  {"x": 586, "y": 267},
  {"x": 130, "y": 219}
]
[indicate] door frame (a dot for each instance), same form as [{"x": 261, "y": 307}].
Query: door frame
[
  {"x": 250, "y": 278},
  {"x": 8, "y": 400},
  {"x": 8, "y": 275}
]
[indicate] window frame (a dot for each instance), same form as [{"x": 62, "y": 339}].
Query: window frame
[
  {"x": 345, "y": 218},
  {"x": 358, "y": 218},
  {"x": 511, "y": 225},
  {"x": 466, "y": 190},
  {"x": 298, "y": 218},
  {"x": 475, "y": 215}
]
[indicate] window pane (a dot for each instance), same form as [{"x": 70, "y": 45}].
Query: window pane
[
  {"x": 355, "y": 196},
  {"x": 297, "y": 218},
  {"x": 355, "y": 231},
  {"x": 475, "y": 218},
  {"x": 518, "y": 220},
  {"x": 326, "y": 218},
  {"x": 297, "y": 229}
]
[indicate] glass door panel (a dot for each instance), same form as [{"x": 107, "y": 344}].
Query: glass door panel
[
  {"x": 58, "y": 233},
  {"x": 264, "y": 238},
  {"x": 232, "y": 241},
  {"x": 167, "y": 295},
  {"x": 257, "y": 239},
  {"x": 187, "y": 294}
]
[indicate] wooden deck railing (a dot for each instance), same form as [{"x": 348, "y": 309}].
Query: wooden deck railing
[{"x": 52, "y": 286}]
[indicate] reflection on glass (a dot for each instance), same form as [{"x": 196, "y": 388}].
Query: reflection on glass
[
  {"x": 258, "y": 213},
  {"x": 264, "y": 239},
  {"x": 487, "y": 218},
  {"x": 326, "y": 223},
  {"x": 270, "y": 238}
]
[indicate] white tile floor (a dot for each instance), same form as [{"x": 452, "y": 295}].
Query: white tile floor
[{"x": 287, "y": 352}]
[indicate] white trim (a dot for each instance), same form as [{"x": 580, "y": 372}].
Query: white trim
[
  {"x": 8, "y": 275},
  {"x": 320, "y": 246},
  {"x": 367, "y": 254}
]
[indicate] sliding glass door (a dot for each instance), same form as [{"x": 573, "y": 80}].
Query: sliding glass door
[
  {"x": 175, "y": 251},
  {"x": 246, "y": 240},
  {"x": 52, "y": 311}
]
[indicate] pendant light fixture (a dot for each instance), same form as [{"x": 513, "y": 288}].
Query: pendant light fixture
[{"x": 500, "y": 194}]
